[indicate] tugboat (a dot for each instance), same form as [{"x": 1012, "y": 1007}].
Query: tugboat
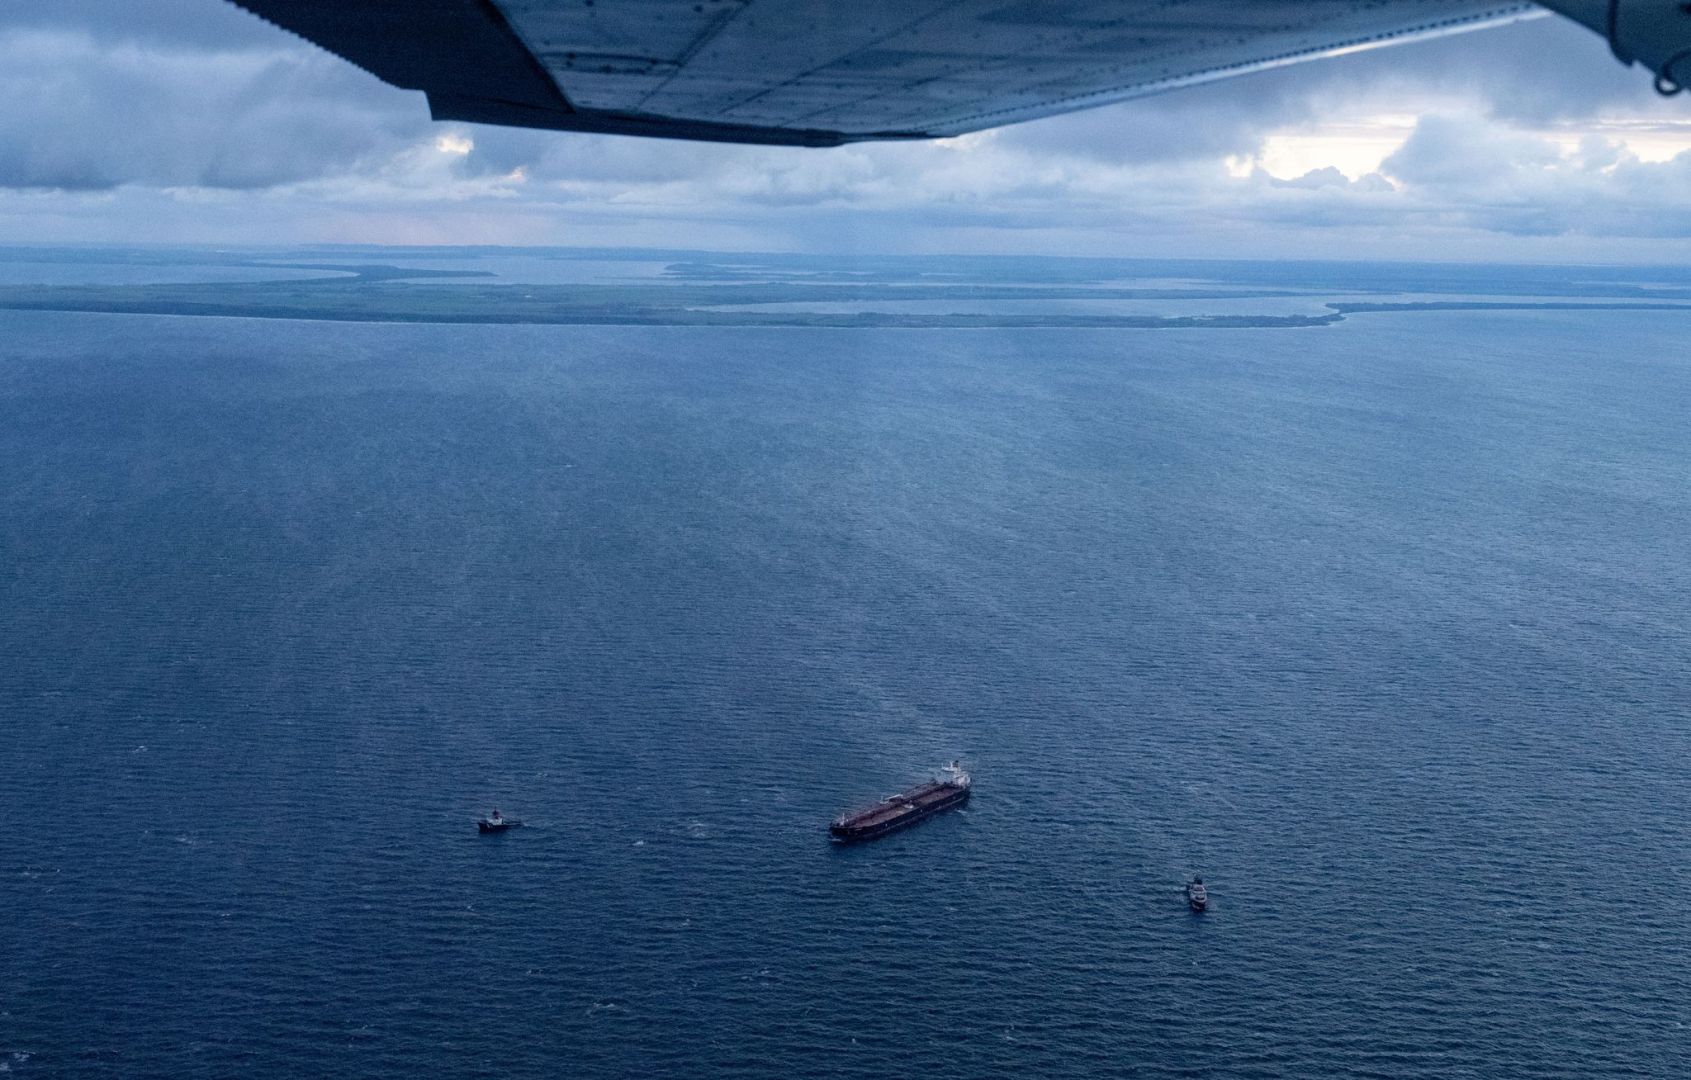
[
  {"x": 494, "y": 822},
  {"x": 1197, "y": 897},
  {"x": 950, "y": 788}
]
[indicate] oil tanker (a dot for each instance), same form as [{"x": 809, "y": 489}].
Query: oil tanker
[{"x": 950, "y": 788}]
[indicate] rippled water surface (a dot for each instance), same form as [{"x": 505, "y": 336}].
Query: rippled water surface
[{"x": 1380, "y": 626}]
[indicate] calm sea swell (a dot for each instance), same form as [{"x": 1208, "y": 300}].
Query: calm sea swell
[{"x": 1380, "y": 626}]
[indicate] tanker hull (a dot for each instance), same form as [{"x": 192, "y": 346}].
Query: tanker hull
[{"x": 900, "y": 811}]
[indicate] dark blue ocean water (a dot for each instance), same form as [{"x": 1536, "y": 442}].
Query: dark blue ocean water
[{"x": 1381, "y": 626}]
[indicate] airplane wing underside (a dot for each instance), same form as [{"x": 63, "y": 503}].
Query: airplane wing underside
[{"x": 823, "y": 72}]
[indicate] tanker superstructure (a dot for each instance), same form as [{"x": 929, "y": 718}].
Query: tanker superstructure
[{"x": 949, "y": 789}]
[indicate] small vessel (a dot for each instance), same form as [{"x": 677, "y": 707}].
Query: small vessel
[
  {"x": 1197, "y": 897},
  {"x": 494, "y": 822},
  {"x": 950, "y": 788}
]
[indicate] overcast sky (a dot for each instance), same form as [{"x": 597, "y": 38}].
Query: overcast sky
[{"x": 191, "y": 121}]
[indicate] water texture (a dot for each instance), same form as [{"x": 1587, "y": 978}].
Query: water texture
[{"x": 1380, "y": 626}]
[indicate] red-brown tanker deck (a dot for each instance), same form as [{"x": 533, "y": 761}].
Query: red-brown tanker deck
[{"x": 906, "y": 808}]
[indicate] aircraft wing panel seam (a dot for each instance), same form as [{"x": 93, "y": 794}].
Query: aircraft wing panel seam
[{"x": 994, "y": 117}]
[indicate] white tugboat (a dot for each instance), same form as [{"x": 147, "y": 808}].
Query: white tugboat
[
  {"x": 495, "y": 822},
  {"x": 1197, "y": 897}
]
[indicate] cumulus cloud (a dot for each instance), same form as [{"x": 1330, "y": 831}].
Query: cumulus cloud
[
  {"x": 1445, "y": 150},
  {"x": 1474, "y": 171},
  {"x": 82, "y": 114},
  {"x": 1324, "y": 177}
]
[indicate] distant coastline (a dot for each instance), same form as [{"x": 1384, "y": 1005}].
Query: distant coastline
[{"x": 778, "y": 291}]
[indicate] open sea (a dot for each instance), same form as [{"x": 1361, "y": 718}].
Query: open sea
[{"x": 1383, "y": 627}]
